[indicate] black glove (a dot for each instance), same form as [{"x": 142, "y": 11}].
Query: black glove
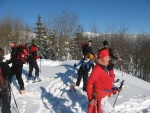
[
  {"x": 7, "y": 61},
  {"x": 41, "y": 57},
  {"x": 75, "y": 65}
]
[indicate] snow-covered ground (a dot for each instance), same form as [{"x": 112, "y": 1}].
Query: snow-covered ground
[{"x": 52, "y": 94}]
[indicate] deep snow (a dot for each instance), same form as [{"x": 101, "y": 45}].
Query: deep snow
[{"x": 52, "y": 94}]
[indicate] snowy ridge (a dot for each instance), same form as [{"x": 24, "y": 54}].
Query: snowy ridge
[
  {"x": 91, "y": 34},
  {"x": 52, "y": 94}
]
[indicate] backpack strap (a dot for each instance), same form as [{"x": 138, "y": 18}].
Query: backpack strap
[{"x": 2, "y": 80}]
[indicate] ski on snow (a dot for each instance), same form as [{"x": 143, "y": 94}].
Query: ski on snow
[{"x": 37, "y": 81}]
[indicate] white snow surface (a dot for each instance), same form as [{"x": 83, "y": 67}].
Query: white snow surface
[{"x": 52, "y": 94}]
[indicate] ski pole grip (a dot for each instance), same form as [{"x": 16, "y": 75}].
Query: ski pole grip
[
  {"x": 122, "y": 83},
  {"x": 94, "y": 96}
]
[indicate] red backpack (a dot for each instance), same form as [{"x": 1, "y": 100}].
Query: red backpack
[
  {"x": 22, "y": 53},
  {"x": 32, "y": 50}
]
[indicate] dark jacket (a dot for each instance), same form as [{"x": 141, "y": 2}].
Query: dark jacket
[
  {"x": 14, "y": 57},
  {"x": 5, "y": 95},
  {"x": 88, "y": 50},
  {"x": 6, "y": 71}
]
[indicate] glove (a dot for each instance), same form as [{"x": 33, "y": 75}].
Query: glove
[
  {"x": 40, "y": 57},
  {"x": 114, "y": 92},
  {"x": 37, "y": 57},
  {"x": 75, "y": 65},
  {"x": 7, "y": 61}
]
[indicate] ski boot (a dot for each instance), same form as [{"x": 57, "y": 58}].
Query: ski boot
[
  {"x": 37, "y": 79},
  {"x": 29, "y": 79}
]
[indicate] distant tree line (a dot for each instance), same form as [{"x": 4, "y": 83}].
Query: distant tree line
[
  {"x": 12, "y": 28},
  {"x": 133, "y": 49},
  {"x": 59, "y": 37}
]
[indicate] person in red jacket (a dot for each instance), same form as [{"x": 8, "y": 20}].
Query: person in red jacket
[{"x": 100, "y": 82}]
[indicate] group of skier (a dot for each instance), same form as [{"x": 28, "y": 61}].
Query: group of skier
[
  {"x": 20, "y": 54},
  {"x": 100, "y": 84}
]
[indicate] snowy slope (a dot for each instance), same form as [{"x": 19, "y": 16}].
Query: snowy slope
[{"x": 52, "y": 95}]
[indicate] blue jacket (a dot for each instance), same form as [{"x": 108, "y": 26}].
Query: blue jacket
[{"x": 86, "y": 65}]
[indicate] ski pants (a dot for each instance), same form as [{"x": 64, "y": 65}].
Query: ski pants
[
  {"x": 84, "y": 74},
  {"x": 5, "y": 101},
  {"x": 17, "y": 70},
  {"x": 33, "y": 64},
  {"x": 98, "y": 107}
]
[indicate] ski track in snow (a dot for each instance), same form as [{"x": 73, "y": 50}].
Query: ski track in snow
[
  {"x": 52, "y": 94},
  {"x": 56, "y": 98}
]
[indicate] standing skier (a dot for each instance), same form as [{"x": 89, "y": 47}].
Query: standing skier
[
  {"x": 17, "y": 65},
  {"x": 110, "y": 65},
  {"x": 5, "y": 96},
  {"x": 86, "y": 65},
  {"x": 99, "y": 83},
  {"x": 32, "y": 57}
]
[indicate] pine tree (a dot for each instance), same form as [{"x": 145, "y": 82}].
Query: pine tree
[
  {"x": 53, "y": 46},
  {"x": 41, "y": 38},
  {"x": 76, "y": 48}
]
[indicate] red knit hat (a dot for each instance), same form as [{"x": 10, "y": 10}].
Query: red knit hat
[{"x": 102, "y": 53}]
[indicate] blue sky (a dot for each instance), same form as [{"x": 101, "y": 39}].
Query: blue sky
[{"x": 134, "y": 14}]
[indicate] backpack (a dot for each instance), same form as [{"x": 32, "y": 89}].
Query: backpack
[
  {"x": 32, "y": 50},
  {"x": 2, "y": 80},
  {"x": 22, "y": 53},
  {"x": 84, "y": 45}
]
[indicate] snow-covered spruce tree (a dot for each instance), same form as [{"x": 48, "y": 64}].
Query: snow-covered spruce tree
[
  {"x": 63, "y": 50},
  {"x": 41, "y": 38},
  {"x": 75, "y": 46},
  {"x": 53, "y": 46}
]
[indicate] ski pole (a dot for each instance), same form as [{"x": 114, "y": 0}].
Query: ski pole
[
  {"x": 8, "y": 91},
  {"x": 73, "y": 73},
  {"x": 40, "y": 65},
  {"x": 72, "y": 79},
  {"x": 12, "y": 93},
  {"x": 122, "y": 83},
  {"x": 94, "y": 97},
  {"x": 121, "y": 69},
  {"x": 14, "y": 99}
]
